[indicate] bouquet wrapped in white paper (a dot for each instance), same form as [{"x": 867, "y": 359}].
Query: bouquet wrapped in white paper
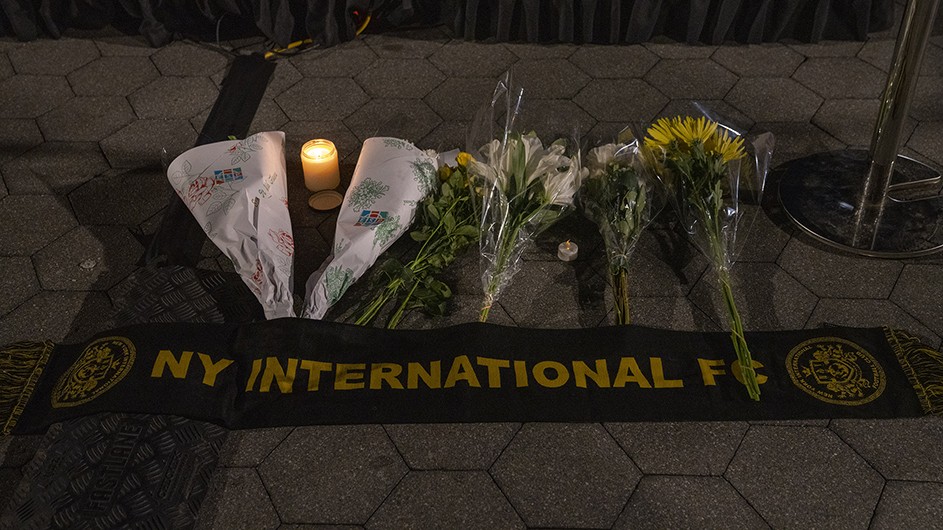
[
  {"x": 237, "y": 191},
  {"x": 390, "y": 179}
]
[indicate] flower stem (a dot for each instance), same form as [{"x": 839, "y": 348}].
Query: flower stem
[
  {"x": 620, "y": 293},
  {"x": 748, "y": 374}
]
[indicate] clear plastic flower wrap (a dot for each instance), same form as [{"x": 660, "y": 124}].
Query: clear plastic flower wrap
[
  {"x": 620, "y": 195},
  {"x": 526, "y": 187},
  {"x": 709, "y": 170},
  {"x": 237, "y": 191}
]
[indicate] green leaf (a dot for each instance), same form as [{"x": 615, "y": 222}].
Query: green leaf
[
  {"x": 418, "y": 235},
  {"x": 449, "y": 222}
]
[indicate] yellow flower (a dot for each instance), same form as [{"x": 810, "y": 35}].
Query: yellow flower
[
  {"x": 444, "y": 172},
  {"x": 463, "y": 159},
  {"x": 727, "y": 146},
  {"x": 660, "y": 134},
  {"x": 690, "y": 130}
]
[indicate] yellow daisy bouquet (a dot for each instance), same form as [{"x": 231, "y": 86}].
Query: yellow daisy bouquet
[{"x": 699, "y": 162}]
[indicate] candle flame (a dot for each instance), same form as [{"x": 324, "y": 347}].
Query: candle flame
[
  {"x": 567, "y": 244},
  {"x": 317, "y": 152}
]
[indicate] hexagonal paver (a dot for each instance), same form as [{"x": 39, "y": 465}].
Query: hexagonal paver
[
  {"x": 21, "y": 233},
  {"x": 124, "y": 45},
  {"x": 141, "y": 143},
  {"x": 69, "y": 316},
  {"x": 18, "y": 282},
  {"x": 399, "y": 78},
  {"x": 678, "y": 50},
  {"x": 462, "y": 308},
  {"x": 53, "y": 57},
  {"x": 472, "y": 59},
  {"x": 462, "y": 499},
  {"x": 852, "y": 120},
  {"x": 688, "y": 448},
  {"x": 687, "y": 502},
  {"x": 543, "y": 51},
  {"x": 188, "y": 60},
  {"x": 676, "y": 313},
  {"x": 268, "y": 117},
  {"x": 904, "y": 449},
  {"x": 446, "y": 136},
  {"x": 409, "y": 119},
  {"x": 6, "y": 69},
  {"x": 909, "y": 505},
  {"x": 237, "y": 499},
  {"x": 868, "y": 313},
  {"x": 283, "y": 78},
  {"x": 614, "y": 61},
  {"x": 112, "y": 76},
  {"x": 18, "y": 136},
  {"x": 173, "y": 97},
  {"x": 927, "y": 139},
  {"x": 337, "y": 474},
  {"x": 28, "y": 96},
  {"x": 458, "y": 98},
  {"x": 759, "y": 60},
  {"x": 249, "y": 447},
  {"x": 345, "y": 60},
  {"x": 322, "y": 99},
  {"x": 841, "y": 78},
  {"x": 554, "y": 118},
  {"x": 774, "y": 99},
  {"x": 832, "y": 274},
  {"x": 126, "y": 198},
  {"x": 665, "y": 264},
  {"x": 717, "y": 109},
  {"x": 54, "y": 167},
  {"x": 547, "y": 294},
  {"x": 758, "y": 237},
  {"x": 548, "y": 78},
  {"x": 767, "y": 297},
  {"x": 451, "y": 445},
  {"x": 88, "y": 258},
  {"x": 622, "y": 100},
  {"x": 797, "y": 139},
  {"x": 407, "y": 44},
  {"x": 691, "y": 78},
  {"x": 828, "y": 49},
  {"x": 927, "y": 104},
  {"x": 912, "y": 294},
  {"x": 566, "y": 475},
  {"x": 824, "y": 481},
  {"x": 86, "y": 119}
]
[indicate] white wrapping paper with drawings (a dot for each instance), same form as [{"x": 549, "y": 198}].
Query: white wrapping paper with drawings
[
  {"x": 390, "y": 179},
  {"x": 237, "y": 191}
]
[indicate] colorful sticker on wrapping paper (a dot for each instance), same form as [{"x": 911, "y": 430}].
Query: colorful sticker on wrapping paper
[
  {"x": 366, "y": 193},
  {"x": 228, "y": 175},
  {"x": 425, "y": 175},
  {"x": 336, "y": 282},
  {"x": 283, "y": 241},
  {"x": 386, "y": 231},
  {"x": 371, "y": 218}
]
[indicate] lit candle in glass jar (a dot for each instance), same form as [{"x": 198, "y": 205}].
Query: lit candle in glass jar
[{"x": 319, "y": 161}]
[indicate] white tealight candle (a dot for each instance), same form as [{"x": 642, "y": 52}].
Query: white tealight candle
[
  {"x": 567, "y": 250},
  {"x": 319, "y": 162}
]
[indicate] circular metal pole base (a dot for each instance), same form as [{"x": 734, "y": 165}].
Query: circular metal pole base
[{"x": 821, "y": 195}]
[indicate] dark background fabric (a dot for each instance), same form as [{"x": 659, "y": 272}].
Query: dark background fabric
[{"x": 333, "y": 21}]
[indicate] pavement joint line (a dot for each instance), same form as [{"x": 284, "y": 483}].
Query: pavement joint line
[{"x": 855, "y": 451}]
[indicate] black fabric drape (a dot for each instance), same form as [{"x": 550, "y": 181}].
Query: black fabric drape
[{"x": 331, "y": 21}]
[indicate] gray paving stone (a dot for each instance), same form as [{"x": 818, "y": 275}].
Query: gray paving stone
[
  {"x": 237, "y": 500},
  {"x": 9, "y": 482},
  {"x": 758, "y": 237},
  {"x": 6, "y": 69},
  {"x": 399, "y": 78},
  {"x": 188, "y": 60},
  {"x": 686, "y": 448},
  {"x": 268, "y": 117},
  {"x": 54, "y": 167},
  {"x": 774, "y": 99},
  {"x": 548, "y": 294},
  {"x": 28, "y": 96},
  {"x": 114, "y": 76},
  {"x": 446, "y": 499},
  {"x": 18, "y": 136},
  {"x": 832, "y": 274},
  {"x": 868, "y": 313},
  {"x": 18, "y": 282},
  {"x": 318, "y": 527},
  {"x": 825, "y": 482},
  {"x": 759, "y": 60},
  {"x": 879, "y": 54},
  {"x": 472, "y": 59},
  {"x": 345, "y": 60},
  {"x": 140, "y": 143},
  {"x": 914, "y": 294},
  {"x": 614, "y": 61},
  {"x": 796, "y": 140},
  {"x": 900, "y": 449},
  {"x": 927, "y": 104},
  {"x": 322, "y": 99},
  {"x": 451, "y": 445},
  {"x": 542, "y": 51},
  {"x": 716, "y": 109},
  {"x": 87, "y": 258},
  {"x": 249, "y": 447},
  {"x": 548, "y": 78},
  {"x": 665, "y": 265},
  {"x": 566, "y": 475},
  {"x": 927, "y": 139},
  {"x": 676, "y": 313},
  {"x": 678, "y": 50},
  {"x": 767, "y": 298},
  {"x": 408, "y": 44},
  {"x": 909, "y": 505},
  {"x": 68, "y": 316},
  {"x": 828, "y": 49},
  {"x": 125, "y": 45},
  {"x": 446, "y": 136},
  {"x": 53, "y": 56},
  {"x": 688, "y": 502},
  {"x": 173, "y": 97},
  {"x": 691, "y": 78},
  {"x": 409, "y": 119},
  {"x": 356, "y": 468},
  {"x": 623, "y": 100},
  {"x": 284, "y": 77},
  {"x": 125, "y": 198},
  {"x": 553, "y": 119},
  {"x": 86, "y": 119},
  {"x": 852, "y": 120},
  {"x": 462, "y": 308},
  {"x": 841, "y": 78},
  {"x": 30, "y": 222}
]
